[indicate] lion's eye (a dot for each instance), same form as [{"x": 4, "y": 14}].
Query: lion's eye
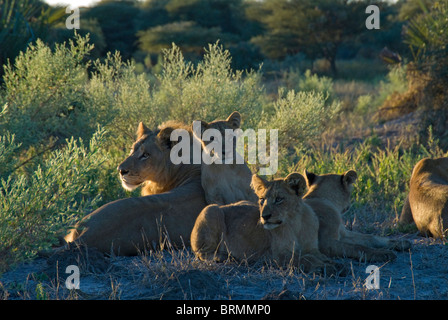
[
  {"x": 261, "y": 200},
  {"x": 144, "y": 156},
  {"x": 279, "y": 200}
]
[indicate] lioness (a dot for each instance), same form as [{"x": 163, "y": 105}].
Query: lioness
[
  {"x": 281, "y": 227},
  {"x": 227, "y": 181},
  {"x": 329, "y": 196},
  {"x": 427, "y": 202},
  {"x": 174, "y": 200}
]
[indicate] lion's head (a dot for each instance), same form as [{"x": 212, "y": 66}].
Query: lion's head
[
  {"x": 278, "y": 199},
  {"x": 217, "y": 134},
  {"x": 149, "y": 160},
  {"x": 335, "y": 187}
]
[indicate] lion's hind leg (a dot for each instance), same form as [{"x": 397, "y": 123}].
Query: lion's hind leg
[
  {"x": 406, "y": 217},
  {"x": 374, "y": 241},
  {"x": 319, "y": 264},
  {"x": 311, "y": 261},
  {"x": 341, "y": 249},
  {"x": 208, "y": 234}
]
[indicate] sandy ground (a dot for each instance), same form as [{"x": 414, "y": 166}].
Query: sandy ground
[{"x": 420, "y": 273}]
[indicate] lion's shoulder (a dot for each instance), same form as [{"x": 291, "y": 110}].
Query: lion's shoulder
[
  {"x": 435, "y": 169},
  {"x": 429, "y": 180},
  {"x": 330, "y": 189},
  {"x": 428, "y": 196},
  {"x": 224, "y": 184}
]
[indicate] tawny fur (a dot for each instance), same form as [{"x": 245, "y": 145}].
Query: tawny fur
[
  {"x": 173, "y": 198},
  {"x": 427, "y": 202},
  {"x": 225, "y": 183},
  {"x": 329, "y": 196},
  {"x": 281, "y": 228}
]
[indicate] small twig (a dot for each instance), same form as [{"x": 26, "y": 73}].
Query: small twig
[{"x": 55, "y": 144}]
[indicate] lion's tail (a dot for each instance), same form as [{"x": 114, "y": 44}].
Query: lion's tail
[{"x": 406, "y": 217}]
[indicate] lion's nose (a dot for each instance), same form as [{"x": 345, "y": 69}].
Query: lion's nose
[
  {"x": 266, "y": 216},
  {"x": 122, "y": 171}
]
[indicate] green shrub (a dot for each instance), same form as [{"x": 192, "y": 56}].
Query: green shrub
[
  {"x": 395, "y": 83},
  {"x": 45, "y": 93},
  {"x": 308, "y": 82},
  {"x": 363, "y": 104},
  {"x": 300, "y": 118},
  {"x": 8, "y": 158},
  {"x": 120, "y": 97},
  {"x": 427, "y": 37},
  {"x": 312, "y": 82},
  {"x": 50, "y": 97},
  {"x": 208, "y": 91},
  {"x": 35, "y": 209}
]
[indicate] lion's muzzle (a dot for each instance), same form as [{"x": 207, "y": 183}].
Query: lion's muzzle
[{"x": 267, "y": 222}]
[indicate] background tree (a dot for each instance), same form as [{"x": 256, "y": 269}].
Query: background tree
[
  {"x": 188, "y": 35},
  {"x": 427, "y": 72},
  {"x": 22, "y": 22},
  {"x": 371, "y": 42},
  {"x": 117, "y": 20},
  {"x": 427, "y": 37},
  {"x": 409, "y": 9},
  {"x": 314, "y": 27},
  {"x": 193, "y": 24}
]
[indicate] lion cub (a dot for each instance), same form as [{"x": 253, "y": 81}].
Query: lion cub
[
  {"x": 329, "y": 197},
  {"x": 225, "y": 180},
  {"x": 427, "y": 202},
  {"x": 281, "y": 228}
]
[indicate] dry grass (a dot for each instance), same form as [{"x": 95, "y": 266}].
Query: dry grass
[{"x": 177, "y": 274}]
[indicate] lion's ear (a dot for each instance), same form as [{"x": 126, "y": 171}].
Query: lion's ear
[
  {"x": 349, "y": 177},
  {"x": 199, "y": 126},
  {"x": 234, "y": 120},
  {"x": 297, "y": 183},
  {"x": 258, "y": 184},
  {"x": 310, "y": 177},
  {"x": 164, "y": 137},
  {"x": 141, "y": 130},
  {"x": 204, "y": 126}
]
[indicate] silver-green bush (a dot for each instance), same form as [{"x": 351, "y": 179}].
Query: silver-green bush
[{"x": 35, "y": 208}]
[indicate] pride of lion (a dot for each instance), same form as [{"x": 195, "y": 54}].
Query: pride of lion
[{"x": 225, "y": 212}]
